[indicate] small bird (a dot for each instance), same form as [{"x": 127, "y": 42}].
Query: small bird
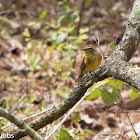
[{"x": 90, "y": 62}]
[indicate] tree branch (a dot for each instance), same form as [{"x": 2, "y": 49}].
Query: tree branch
[
  {"x": 28, "y": 131},
  {"x": 126, "y": 72}
]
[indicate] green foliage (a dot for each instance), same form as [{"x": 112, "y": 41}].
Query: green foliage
[
  {"x": 75, "y": 117},
  {"x": 64, "y": 42},
  {"x": 27, "y": 34},
  {"x": 55, "y": 24},
  {"x": 133, "y": 137},
  {"x": 64, "y": 135},
  {"x": 109, "y": 98},
  {"x": 43, "y": 15},
  {"x": 4, "y": 23},
  {"x": 1, "y": 124},
  {"x": 115, "y": 83},
  {"x": 35, "y": 55},
  {"x": 88, "y": 132},
  {"x": 3, "y": 33},
  {"x": 112, "y": 47},
  {"x": 134, "y": 93},
  {"x": 66, "y": 4},
  {"x": 89, "y": 2},
  {"x": 95, "y": 94},
  {"x": 33, "y": 98},
  {"x": 68, "y": 14},
  {"x": 58, "y": 37},
  {"x": 74, "y": 132},
  {"x": 137, "y": 14},
  {"x": 32, "y": 23}
]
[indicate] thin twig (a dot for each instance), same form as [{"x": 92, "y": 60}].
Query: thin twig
[
  {"x": 63, "y": 120},
  {"x": 40, "y": 113},
  {"x": 108, "y": 46},
  {"x": 81, "y": 15},
  {"x": 131, "y": 125},
  {"x": 122, "y": 131},
  {"x": 98, "y": 43},
  {"x": 124, "y": 111},
  {"x": 30, "y": 117},
  {"x": 20, "y": 100},
  {"x": 106, "y": 134},
  {"x": 49, "y": 130},
  {"x": 114, "y": 41},
  {"x": 122, "y": 102},
  {"x": 3, "y": 13}
]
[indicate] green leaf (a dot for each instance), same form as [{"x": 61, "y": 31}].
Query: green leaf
[
  {"x": 26, "y": 32},
  {"x": 137, "y": 14},
  {"x": 33, "y": 98},
  {"x": 89, "y": 132},
  {"x": 60, "y": 92},
  {"x": 84, "y": 30},
  {"x": 133, "y": 137},
  {"x": 58, "y": 38},
  {"x": 112, "y": 47},
  {"x": 59, "y": 21},
  {"x": 112, "y": 82},
  {"x": 89, "y": 2},
  {"x": 41, "y": 53},
  {"x": 30, "y": 51},
  {"x": 110, "y": 98},
  {"x": 1, "y": 124},
  {"x": 51, "y": 49},
  {"x": 68, "y": 14},
  {"x": 66, "y": 4},
  {"x": 45, "y": 66},
  {"x": 3, "y": 32},
  {"x": 64, "y": 135},
  {"x": 44, "y": 74},
  {"x": 43, "y": 15},
  {"x": 32, "y": 23},
  {"x": 95, "y": 94},
  {"x": 61, "y": 38},
  {"x": 134, "y": 94},
  {"x": 59, "y": 66},
  {"x": 60, "y": 47},
  {"x": 4, "y": 23},
  {"x": 76, "y": 117}
]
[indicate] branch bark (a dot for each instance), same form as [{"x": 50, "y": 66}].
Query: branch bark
[
  {"x": 116, "y": 65},
  {"x": 21, "y": 124}
]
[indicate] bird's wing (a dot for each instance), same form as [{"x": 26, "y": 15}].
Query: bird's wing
[{"x": 82, "y": 67}]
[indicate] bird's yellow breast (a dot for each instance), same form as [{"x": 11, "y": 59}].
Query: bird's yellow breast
[{"x": 92, "y": 63}]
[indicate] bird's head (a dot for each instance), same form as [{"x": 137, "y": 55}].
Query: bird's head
[{"x": 89, "y": 49}]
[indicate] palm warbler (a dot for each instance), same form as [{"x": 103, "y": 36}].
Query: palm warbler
[{"x": 90, "y": 62}]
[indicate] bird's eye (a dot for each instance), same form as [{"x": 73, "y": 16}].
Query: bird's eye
[{"x": 89, "y": 48}]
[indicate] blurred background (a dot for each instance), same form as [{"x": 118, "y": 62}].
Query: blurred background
[{"x": 40, "y": 58}]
